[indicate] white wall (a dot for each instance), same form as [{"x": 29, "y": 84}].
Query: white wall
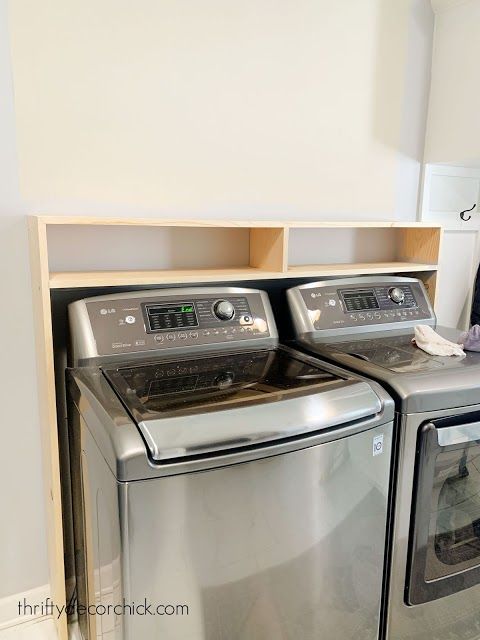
[
  {"x": 222, "y": 108},
  {"x": 456, "y": 278},
  {"x": 214, "y": 108},
  {"x": 453, "y": 138},
  {"x": 453, "y": 134},
  {"x": 23, "y": 563}
]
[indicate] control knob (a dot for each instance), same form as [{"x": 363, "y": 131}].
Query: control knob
[
  {"x": 224, "y": 310},
  {"x": 396, "y": 295}
]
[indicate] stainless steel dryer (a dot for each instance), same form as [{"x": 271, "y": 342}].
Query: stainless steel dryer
[
  {"x": 366, "y": 324},
  {"x": 236, "y": 486}
]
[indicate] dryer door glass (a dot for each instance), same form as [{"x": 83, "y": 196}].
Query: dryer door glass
[
  {"x": 445, "y": 541},
  {"x": 455, "y": 512}
]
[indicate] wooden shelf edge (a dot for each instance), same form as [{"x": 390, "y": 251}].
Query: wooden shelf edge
[
  {"x": 95, "y": 221},
  {"x": 371, "y": 268},
  {"x": 226, "y": 223},
  {"x": 361, "y": 224},
  {"x": 48, "y": 416},
  {"x": 75, "y": 280}
]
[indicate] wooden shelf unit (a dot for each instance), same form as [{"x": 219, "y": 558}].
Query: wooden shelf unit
[
  {"x": 390, "y": 248},
  {"x": 417, "y": 247}
]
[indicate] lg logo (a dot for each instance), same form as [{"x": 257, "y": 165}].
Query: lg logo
[{"x": 378, "y": 445}]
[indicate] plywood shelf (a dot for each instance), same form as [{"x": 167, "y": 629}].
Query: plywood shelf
[
  {"x": 90, "y": 221},
  {"x": 74, "y": 279},
  {"x": 219, "y": 223},
  {"x": 357, "y": 268},
  {"x": 78, "y": 279},
  {"x": 361, "y": 224}
]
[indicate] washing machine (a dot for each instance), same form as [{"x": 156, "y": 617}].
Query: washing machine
[
  {"x": 367, "y": 324},
  {"x": 225, "y": 487}
]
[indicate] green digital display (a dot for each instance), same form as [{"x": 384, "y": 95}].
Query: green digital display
[{"x": 162, "y": 317}]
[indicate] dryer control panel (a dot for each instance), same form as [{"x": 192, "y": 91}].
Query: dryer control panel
[
  {"x": 171, "y": 320},
  {"x": 363, "y": 304}
]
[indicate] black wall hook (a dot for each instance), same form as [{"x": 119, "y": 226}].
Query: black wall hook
[{"x": 466, "y": 211}]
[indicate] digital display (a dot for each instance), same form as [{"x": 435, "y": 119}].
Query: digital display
[
  {"x": 162, "y": 317},
  {"x": 359, "y": 300}
]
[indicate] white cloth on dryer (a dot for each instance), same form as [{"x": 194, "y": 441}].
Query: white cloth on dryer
[{"x": 431, "y": 342}]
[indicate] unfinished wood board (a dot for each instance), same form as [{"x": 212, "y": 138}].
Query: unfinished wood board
[
  {"x": 72, "y": 279},
  {"x": 68, "y": 280},
  {"x": 429, "y": 279},
  {"x": 360, "y": 224},
  {"x": 268, "y": 248},
  {"x": 156, "y": 222},
  {"x": 48, "y": 415},
  {"x": 165, "y": 222},
  {"x": 355, "y": 269},
  {"x": 418, "y": 244}
]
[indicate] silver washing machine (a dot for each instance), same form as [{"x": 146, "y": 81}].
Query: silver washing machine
[
  {"x": 366, "y": 324},
  {"x": 237, "y": 487}
]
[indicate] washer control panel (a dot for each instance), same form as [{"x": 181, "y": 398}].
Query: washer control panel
[
  {"x": 170, "y": 319},
  {"x": 379, "y": 299},
  {"x": 364, "y": 302}
]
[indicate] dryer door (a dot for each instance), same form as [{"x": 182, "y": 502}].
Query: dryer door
[{"x": 445, "y": 522}]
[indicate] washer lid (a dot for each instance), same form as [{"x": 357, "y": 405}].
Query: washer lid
[{"x": 202, "y": 405}]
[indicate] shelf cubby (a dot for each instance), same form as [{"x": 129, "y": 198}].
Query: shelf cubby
[
  {"x": 119, "y": 255},
  {"x": 348, "y": 249}
]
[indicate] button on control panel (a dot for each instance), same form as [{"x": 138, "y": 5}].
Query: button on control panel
[{"x": 177, "y": 319}]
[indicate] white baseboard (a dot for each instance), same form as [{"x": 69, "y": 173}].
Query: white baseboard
[{"x": 9, "y": 613}]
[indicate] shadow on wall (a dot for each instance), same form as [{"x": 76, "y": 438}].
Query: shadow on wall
[
  {"x": 133, "y": 247},
  {"x": 402, "y": 75}
]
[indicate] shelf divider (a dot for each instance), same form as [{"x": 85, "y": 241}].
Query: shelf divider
[
  {"x": 419, "y": 244},
  {"x": 269, "y": 248}
]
